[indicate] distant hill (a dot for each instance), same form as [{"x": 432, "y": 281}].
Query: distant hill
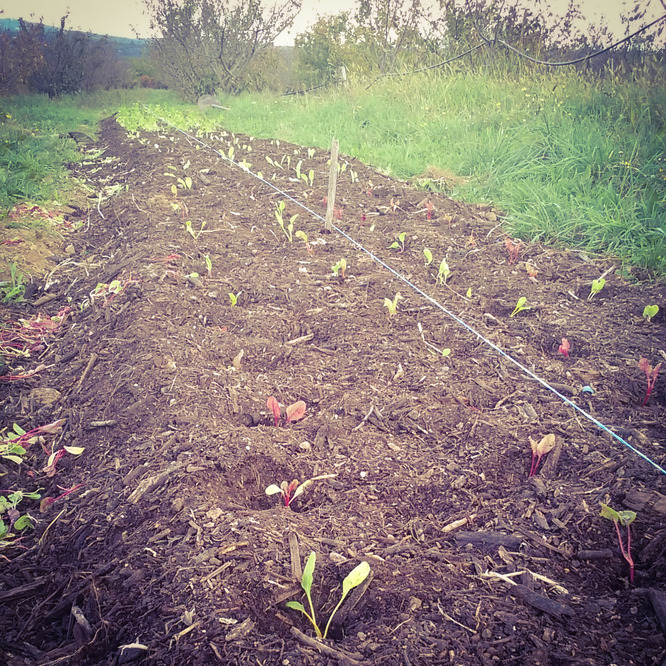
[{"x": 125, "y": 47}]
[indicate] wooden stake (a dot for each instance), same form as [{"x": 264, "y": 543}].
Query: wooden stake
[{"x": 332, "y": 183}]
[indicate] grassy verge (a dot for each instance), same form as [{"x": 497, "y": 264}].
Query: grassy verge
[{"x": 32, "y": 153}]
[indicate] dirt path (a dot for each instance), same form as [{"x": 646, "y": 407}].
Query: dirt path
[{"x": 173, "y": 544}]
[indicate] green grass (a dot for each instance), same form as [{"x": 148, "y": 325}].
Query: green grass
[
  {"x": 569, "y": 161},
  {"x": 32, "y": 156}
]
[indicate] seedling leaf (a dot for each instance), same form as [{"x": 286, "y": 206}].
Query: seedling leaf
[
  {"x": 650, "y": 311},
  {"x": 274, "y": 406},
  {"x": 296, "y": 411}
]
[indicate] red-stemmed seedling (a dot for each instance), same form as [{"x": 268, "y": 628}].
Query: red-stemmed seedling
[
  {"x": 651, "y": 374},
  {"x": 294, "y": 412},
  {"x": 624, "y": 518},
  {"x": 514, "y": 249},
  {"x": 290, "y": 491},
  {"x": 564, "y": 348},
  {"x": 539, "y": 450}
]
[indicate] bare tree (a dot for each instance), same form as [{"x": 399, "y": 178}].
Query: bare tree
[{"x": 203, "y": 45}]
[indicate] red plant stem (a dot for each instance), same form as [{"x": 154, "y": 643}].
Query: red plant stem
[{"x": 626, "y": 553}]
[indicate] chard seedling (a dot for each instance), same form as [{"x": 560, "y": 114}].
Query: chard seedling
[
  {"x": 392, "y": 305},
  {"x": 290, "y": 491},
  {"x": 624, "y": 518},
  {"x": 651, "y": 375},
  {"x": 55, "y": 456},
  {"x": 355, "y": 577},
  {"x": 650, "y": 311},
  {"x": 400, "y": 243},
  {"x": 443, "y": 272},
  {"x": 304, "y": 237},
  {"x": 597, "y": 286},
  {"x": 294, "y": 412},
  {"x": 17, "y": 521},
  {"x": 339, "y": 267},
  {"x": 540, "y": 449},
  {"x": 311, "y": 175},
  {"x": 520, "y": 306},
  {"x": 185, "y": 183},
  {"x": 564, "y": 348},
  {"x": 513, "y": 248},
  {"x": 287, "y": 229},
  {"x": 233, "y": 298},
  {"x": 298, "y": 169},
  {"x": 469, "y": 293},
  {"x": 190, "y": 229},
  {"x": 429, "y": 209},
  {"x": 311, "y": 152},
  {"x": 428, "y": 256},
  {"x": 209, "y": 264}
]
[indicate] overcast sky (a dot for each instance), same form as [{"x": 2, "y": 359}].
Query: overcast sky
[{"x": 121, "y": 17}]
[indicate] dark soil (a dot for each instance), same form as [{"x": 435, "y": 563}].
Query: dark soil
[{"x": 172, "y": 543}]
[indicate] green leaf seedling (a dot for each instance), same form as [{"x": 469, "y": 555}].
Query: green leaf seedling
[
  {"x": 339, "y": 268},
  {"x": 190, "y": 229},
  {"x": 443, "y": 272},
  {"x": 287, "y": 228},
  {"x": 428, "y": 256},
  {"x": 469, "y": 293},
  {"x": 304, "y": 237},
  {"x": 233, "y": 298},
  {"x": 400, "y": 243},
  {"x": 624, "y": 518},
  {"x": 650, "y": 311},
  {"x": 209, "y": 264},
  {"x": 185, "y": 183},
  {"x": 290, "y": 491},
  {"x": 520, "y": 306},
  {"x": 597, "y": 286},
  {"x": 392, "y": 305},
  {"x": 355, "y": 577}
]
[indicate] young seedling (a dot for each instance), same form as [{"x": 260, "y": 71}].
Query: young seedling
[
  {"x": 624, "y": 518},
  {"x": 400, "y": 243},
  {"x": 651, "y": 375},
  {"x": 514, "y": 249},
  {"x": 190, "y": 229},
  {"x": 294, "y": 412},
  {"x": 209, "y": 264},
  {"x": 443, "y": 272},
  {"x": 340, "y": 267},
  {"x": 469, "y": 293},
  {"x": 539, "y": 450},
  {"x": 392, "y": 305},
  {"x": 428, "y": 256},
  {"x": 290, "y": 491},
  {"x": 650, "y": 311},
  {"x": 429, "y": 209},
  {"x": 287, "y": 228},
  {"x": 233, "y": 298},
  {"x": 564, "y": 348},
  {"x": 597, "y": 286},
  {"x": 520, "y": 306},
  {"x": 17, "y": 521},
  {"x": 355, "y": 577},
  {"x": 304, "y": 237},
  {"x": 185, "y": 183}
]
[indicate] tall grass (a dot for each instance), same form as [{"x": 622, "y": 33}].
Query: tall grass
[{"x": 569, "y": 161}]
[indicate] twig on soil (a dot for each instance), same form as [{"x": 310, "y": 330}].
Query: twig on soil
[
  {"x": 365, "y": 418},
  {"x": 86, "y": 372},
  {"x": 325, "y": 649}
]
